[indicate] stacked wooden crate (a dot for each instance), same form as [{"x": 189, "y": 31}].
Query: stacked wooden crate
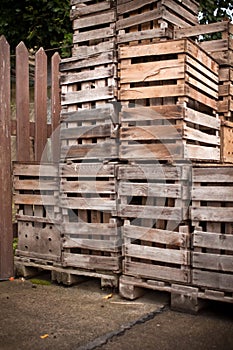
[
  {"x": 178, "y": 89},
  {"x": 220, "y": 46},
  {"x": 89, "y": 146},
  {"x": 211, "y": 214},
  {"x": 152, "y": 20},
  {"x": 36, "y": 199}
]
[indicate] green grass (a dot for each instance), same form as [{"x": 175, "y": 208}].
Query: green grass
[{"x": 40, "y": 282}]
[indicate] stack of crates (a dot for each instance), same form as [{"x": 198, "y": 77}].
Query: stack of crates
[{"x": 89, "y": 145}]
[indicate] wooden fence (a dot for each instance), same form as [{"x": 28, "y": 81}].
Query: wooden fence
[{"x": 31, "y": 135}]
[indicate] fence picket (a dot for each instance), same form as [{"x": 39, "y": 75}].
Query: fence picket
[
  {"x": 22, "y": 104},
  {"x": 55, "y": 107},
  {"x": 40, "y": 104},
  {"x": 6, "y": 230}
]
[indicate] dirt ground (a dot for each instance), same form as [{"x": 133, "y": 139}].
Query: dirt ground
[{"x": 40, "y": 317}]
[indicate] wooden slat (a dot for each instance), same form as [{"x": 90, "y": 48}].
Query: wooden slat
[
  {"x": 82, "y": 228},
  {"x": 22, "y": 104},
  {"x": 153, "y": 113},
  {"x": 40, "y": 104},
  {"x": 202, "y": 119},
  {"x": 149, "y": 189},
  {"x": 201, "y": 29},
  {"x": 106, "y": 17},
  {"x": 86, "y": 132},
  {"x": 213, "y": 193},
  {"x": 152, "y": 132},
  {"x": 151, "y": 92},
  {"x": 215, "y": 280},
  {"x": 98, "y": 94},
  {"x": 92, "y": 244},
  {"x": 209, "y": 261},
  {"x": 152, "y": 151},
  {"x": 197, "y": 135},
  {"x": 91, "y": 170},
  {"x": 213, "y": 240},
  {"x": 166, "y": 255},
  {"x": 55, "y": 106},
  {"x": 96, "y": 187},
  {"x": 150, "y": 212},
  {"x": 105, "y": 150},
  {"x": 214, "y": 214},
  {"x": 213, "y": 174},
  {"x": 93, "y": 35},
  {"x": 36, "y": 185},
  {"x": 32, "y": 199},
  {"x": 6, "y": 232},
  {"x": 144, "y": 34},
  {"x": 39, "y": 170},
  {"x": 91, "y": 261},
  {"x": 99, "y": 203},
  {"x": 157, "y": 272},
  {"x": 178, "y": 239}
]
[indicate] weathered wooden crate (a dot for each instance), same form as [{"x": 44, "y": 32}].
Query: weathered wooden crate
[
  {"x": 220, "y": 48},
  {"x": 211, "y": 213},
  {"x": 227, "y": 142},
  {"x": 94, "y": 27},
  {"x": 156, "y": 254},
  {"x": 88, "y": 200},
  {"x": 170, "y": 71},
  {"x": 90, "y": 134},
  {"x": 153, "y": 195},
  {"x": 87, "y": 83},
  {"x": 168, "y": 132},
  {"x": 225, "y": 103},
  {"x": 38, "y": 215},
  {"x": 212, "y": 260},
  {"x": 152, "y": 20}
]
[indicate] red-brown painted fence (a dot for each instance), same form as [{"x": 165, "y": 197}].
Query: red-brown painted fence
[{"x": 25, "y": 130}]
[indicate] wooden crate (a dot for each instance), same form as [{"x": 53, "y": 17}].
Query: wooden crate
[
  {"x": 88, "y": 201},
  {"x": 221, "y": 49},
  {"x": 38, "y": 214},
  {"x": 90, "y": 134},
  {"x": 227, "y": 142},
  {"x": 88, "y": 83},
  {"x": 225, "y": 103},
  {"x": 152, "y": 20},
  {"x": 156, "y": 253},
  {"x": 170, "y": 71},
  {"x": 94, "y": 28},
  {"x": 211, "y": 213},
  {"x": 212, "y": 260},
  {"x": 88, "y": 186},
  {"x": 168, "y": 132},
  {"x": 82, "y": 8},
  {"x": 153, "y": 195}
]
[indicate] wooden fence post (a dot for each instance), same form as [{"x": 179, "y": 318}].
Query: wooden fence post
[
  {"x": 40, "y": 104},
  {"x": 55, "y": 107},
  {"x": 6, "y": 230},
  {"x": 22, "y": 104}
]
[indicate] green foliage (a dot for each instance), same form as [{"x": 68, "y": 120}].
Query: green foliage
[
  {"x": 36, "y": 22},
  {"x": 40, "y": 282},
  {"x": 215, "y": 10},
  {"x": 15, "y": 244}
]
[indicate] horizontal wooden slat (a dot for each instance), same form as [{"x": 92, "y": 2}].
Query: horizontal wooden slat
[
  {"x": 93, "y": 35},
  {"x": 34, "y": 199},
  {"x": 144, "y": 34},
  {"x": 81, "y": 10},
  {"x": 106, "y": 17},
  {"x": 98, "y": 94},
  {"x": 138, "y": 19},
  {"x": 102, "y": 113},
  {"x": 149, "y": 190},
  {"x": 215, "y": 280},
  {"x": 151, "y": 92},
  {"x": 213, "y": 240},
  {"x": 213, "y": 193},
  {"x": 94, "y": 244},
  {"x": 151, "y": 132},
  {"x": 99, "y": 203},
  {"x": 197, "y": 135},
  {"x": 156, "y": 272},
  {"x": 172, "y": 256},
  {"x": 201, "y": 152},
  {"x": 67, "y": 65},
  {"x": 213, "y": 174},
  {"x": 152, "y": 113},
  {"x": 86, "y": 132},
  {"x": 102, "y": 187},
  {"x": 177, "y": 239},
  {"x": 24, "y": 169},
  {"x": 201, "y": 29},
  {"x": 129, "y": 6},
  {"x": 93, "y": 229},
  {"x": 91, "y": 170},
  {"x": 107, "y": 149},
  {"x": 91, "y": 262},
  {"x": 219, "y": 262},
  {"x": 203, "y": 119},
  {"x": 150, "y": 212},
  {"x": 91, "y": 75},
  {"x": 151, "y": 151},
  {"x": 35, "y": 185},
  {"x": 214, "y": 214}
]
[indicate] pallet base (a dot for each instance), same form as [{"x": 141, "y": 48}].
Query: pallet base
[
  {"x": 183, "y": 298},
  {"x": 67, "y": 276}
]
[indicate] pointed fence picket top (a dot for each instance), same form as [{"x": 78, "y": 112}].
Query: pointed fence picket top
[
  {"x": 22, "y": 104},
  {"x": 6, "y": 230},
  {"x": 40, "y": 103}
]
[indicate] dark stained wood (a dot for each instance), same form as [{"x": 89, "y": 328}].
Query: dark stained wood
[
  {"x": 56, "y": 107},
  {"x": 40, "y": 104},
  {"x": 22, "y": 104},
  {"x": 6, "y": 229}
]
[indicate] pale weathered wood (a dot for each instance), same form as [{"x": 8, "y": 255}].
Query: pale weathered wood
[
  {"x": 214, "y": 214},
  {"x": 92, "y": 262},
  {"x": 150, "y": 212},
  {"x": 149, "y": 189},
  {"x": 213, "y": 240},
  {"x": 213, "y": 193},
  {"x": 215, "y": 280},
  {"x": 6, "y": 231},
  {"x": 218, "y": 262}
]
